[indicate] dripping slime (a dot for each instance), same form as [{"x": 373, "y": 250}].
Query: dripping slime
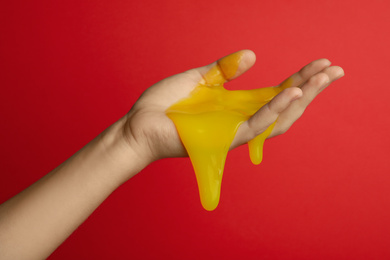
[{"x": 208, "y": 119}]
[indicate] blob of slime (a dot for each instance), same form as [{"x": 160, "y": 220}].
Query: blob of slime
[{"x": 207, "y": 122}]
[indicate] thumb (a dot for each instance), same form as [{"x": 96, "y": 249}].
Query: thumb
[{"x": 228, "y": 67}]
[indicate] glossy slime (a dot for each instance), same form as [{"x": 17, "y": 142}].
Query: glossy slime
[{"x": 207, "y": 122}]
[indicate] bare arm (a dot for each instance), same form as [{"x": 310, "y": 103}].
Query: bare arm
[{"x": 36, "y": 221}]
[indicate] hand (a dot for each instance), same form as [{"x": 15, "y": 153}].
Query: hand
[
  {"x": 47, "y": 212},
  {"x": 153, "y": 135}
]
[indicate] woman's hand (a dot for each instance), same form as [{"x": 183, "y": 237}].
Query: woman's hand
[
  {"x": 36, "y": 221},
  {"x": 153, "y": 135}
]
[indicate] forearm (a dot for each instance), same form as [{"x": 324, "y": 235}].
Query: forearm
[{"x": 36, "y": 221}]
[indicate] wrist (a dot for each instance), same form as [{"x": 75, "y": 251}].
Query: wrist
[{"x": 126, "y": 158}]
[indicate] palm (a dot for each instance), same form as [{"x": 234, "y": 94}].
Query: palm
[{"x": 148, "y": 122}]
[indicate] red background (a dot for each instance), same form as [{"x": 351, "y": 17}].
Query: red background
[{"x": 69, "y": 69}]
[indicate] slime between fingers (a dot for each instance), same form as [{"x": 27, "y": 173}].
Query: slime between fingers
[{"x": 207, "y": 122}]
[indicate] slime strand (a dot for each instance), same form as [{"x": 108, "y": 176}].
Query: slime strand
[{"x": 207, "y": 122}]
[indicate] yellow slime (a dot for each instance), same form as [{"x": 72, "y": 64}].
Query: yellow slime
[{"x": 207, "y": 122}]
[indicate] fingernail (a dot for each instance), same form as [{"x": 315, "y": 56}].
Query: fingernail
[
  {"x": 342, "y": 74},
  {"x": 326, "y": 83},
  {"x": 296, "y": 97}
]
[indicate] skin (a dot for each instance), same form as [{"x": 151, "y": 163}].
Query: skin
[{"x": 37, "y": 220}]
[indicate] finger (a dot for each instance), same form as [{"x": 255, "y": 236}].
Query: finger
[
  {"x": 308, "y": 71},
  {"x": 265, "y": 116},
  {"x": 247, "y": 60},
  {"x": 228, "y": 67},
  {"x": 334, "y": 73},
  {"x": 318, "y": 83},
  {"x": 310, "y": 90}
]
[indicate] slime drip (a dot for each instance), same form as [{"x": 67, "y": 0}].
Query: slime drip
[{"x": 207, "y": 122}]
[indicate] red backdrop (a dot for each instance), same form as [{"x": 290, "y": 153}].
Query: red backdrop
[{"x": 69, "y": 69}]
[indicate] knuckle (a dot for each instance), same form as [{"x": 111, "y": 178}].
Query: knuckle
[
  {"x": 276, "y": 106},
  {"x": 306, "y": 70},
  {"x": 319, "y": 79},
  {"x": 281, "y": 130}
]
